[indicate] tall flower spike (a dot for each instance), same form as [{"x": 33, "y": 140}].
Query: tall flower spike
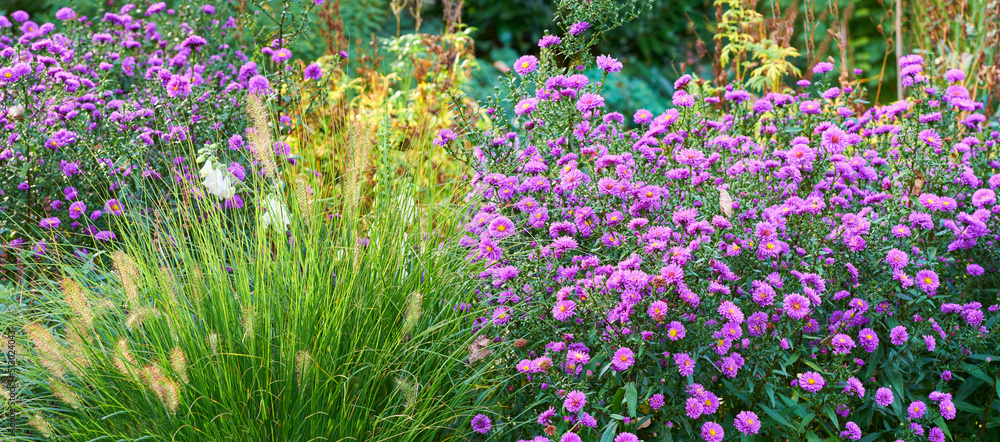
[
  {"x": 39, "y": 423},
  {"x": 50, "y": 352},
  {"x": 63, "y": 391},
  {"x": 261, "y": 141},
  {"x": 179, "y": 363},
  {"x": 128, "y": 271},
  {"x": 76, "y": 297},
  {"x": 123, "y": 360},
  {"x": 303, "y": 364}
]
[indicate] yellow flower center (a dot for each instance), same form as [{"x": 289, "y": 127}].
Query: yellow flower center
[
  {"x": 8, "y": 74},
  {"x": 770, "y": 246},
  {"x": 811, "y": 381},
  {"x": 501, "y": 228},
  {"x": 525, "y": 65},
  {"x": 712, "y": 432},
  {"x": 624, "y": 358},
  {"x": 673, "y": 333},
  {"x": 927, "y": 281}
]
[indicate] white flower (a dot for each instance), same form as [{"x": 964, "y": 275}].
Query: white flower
[
  {"x": 275, "y": 212},
  {"x": 218, "y": 182}
]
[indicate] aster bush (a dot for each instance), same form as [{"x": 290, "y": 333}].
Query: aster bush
[
  {"x": 109, "y": 114},
  {"x": 796, "y": 265}
]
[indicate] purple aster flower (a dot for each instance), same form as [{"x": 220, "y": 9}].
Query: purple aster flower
[
  {"x": 623, "y": 359},
  {"x": 444, "y": 137},
  {"x": 712, "y": 432},
  {"x": 851, "y": 431},
  {"x": 549, "y": 40},
  {"x": 501, "y": 315},
  {"x": 481, "y": 424},
  {"x": 608, "y": 64},
  {"x": 526, "y": 106},
  {"x": 685, "y": 365},
  {"x": 954, "y": 75},
  {"x": 833, "y": 140},
  {"x": 258, "y": 84},
  {"x": 796, "y": 306},
  {"x": 526, "y": 64},
  {"x": 883, "y": 397},
  {"x": 575, "y": 401},
  {"x": 313, "y": 72},
  {"x": 563, "y": 310},
  {"x": 822, "y": 67},
  {"x": 747, "y": 422},
  {"x": 811, "y": 381},
  {"x": 676, "y": 331},
  {"x": 842, "y": 344},
  {"x": 49, "y": 223},
  {"x": 501, "y": 227},
  {"x": 916, "y": 410},
  {"x": 65, "y": 14},
  {"x": 76, "y": 209},
  {"x": 578, "y": 28},
  {"x": 927, "y": 280},
  {"x": 626, "y": 437},
  {"x": 947, "y": 409},
  {"x": 114, "y": 207},
  {"x": 656, "y": 401},
  {"x": 589, "y": 102},
  {"x": 897, "y": 259},
  {"x": 930, "y": 137},
  {"x": 568, "y": 437},
  {"x": 281, "y": 55},
  {"x": 105, "y": 235},
  {"x": 974, "y": 269},
  {"x": 898, "y": 335}
]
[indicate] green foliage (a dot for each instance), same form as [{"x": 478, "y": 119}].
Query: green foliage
[{"x": 345, "y": 328}]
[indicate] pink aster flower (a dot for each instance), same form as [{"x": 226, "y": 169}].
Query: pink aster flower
[
  {"x": 481, "y": 424},
  {"x": 927, "y": 281},
  {"x": 897, "y": 259},
  {"x": 747, "y": 422},
  {"x": 685, "y": 365},
  {"x": 657, "y": 310},
  {"x": 575, "y": 401},
  {"x": 883, "y": 397},
  {"x": 811, "y": 381},
  {"x": 623, "y": 359},
  {"x": 563, "y": 310},
  {"x": 627, "y": 437},
  {"x": 898, "y": 335},
  {"x": 675, "y": 331},
  {"x": 526, "y": 64},
  {"x": 712, "y": 432},
  {"x": 916, "y": 410},
  {"x": 796, "y": 306}
]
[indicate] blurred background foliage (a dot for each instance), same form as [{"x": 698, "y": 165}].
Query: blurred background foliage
[{"x": 671, "y": 39}]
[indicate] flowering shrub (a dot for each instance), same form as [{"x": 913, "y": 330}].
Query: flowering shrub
[
  {"x": 792, "y": 265},
  {"x": 102, "y": 115}
]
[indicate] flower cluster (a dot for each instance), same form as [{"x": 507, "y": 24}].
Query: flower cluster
[
  {"x": 769, "y": 253},
  {"x": 100, "y": 114}
]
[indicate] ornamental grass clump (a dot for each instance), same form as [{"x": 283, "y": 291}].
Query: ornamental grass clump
[{"x": 778, "y": 266}]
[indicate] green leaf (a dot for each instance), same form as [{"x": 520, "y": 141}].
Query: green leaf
[
  {"x": 776, "y": 416},
  {"x": 965, "y": 406},
  {"x": 812, "y": 437},
  {"x": 631, "y": 397},
  {"x": 619, "y": 396},
  {"x": 871, "y": 437},
  {"x": 609, "y": 432}
]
